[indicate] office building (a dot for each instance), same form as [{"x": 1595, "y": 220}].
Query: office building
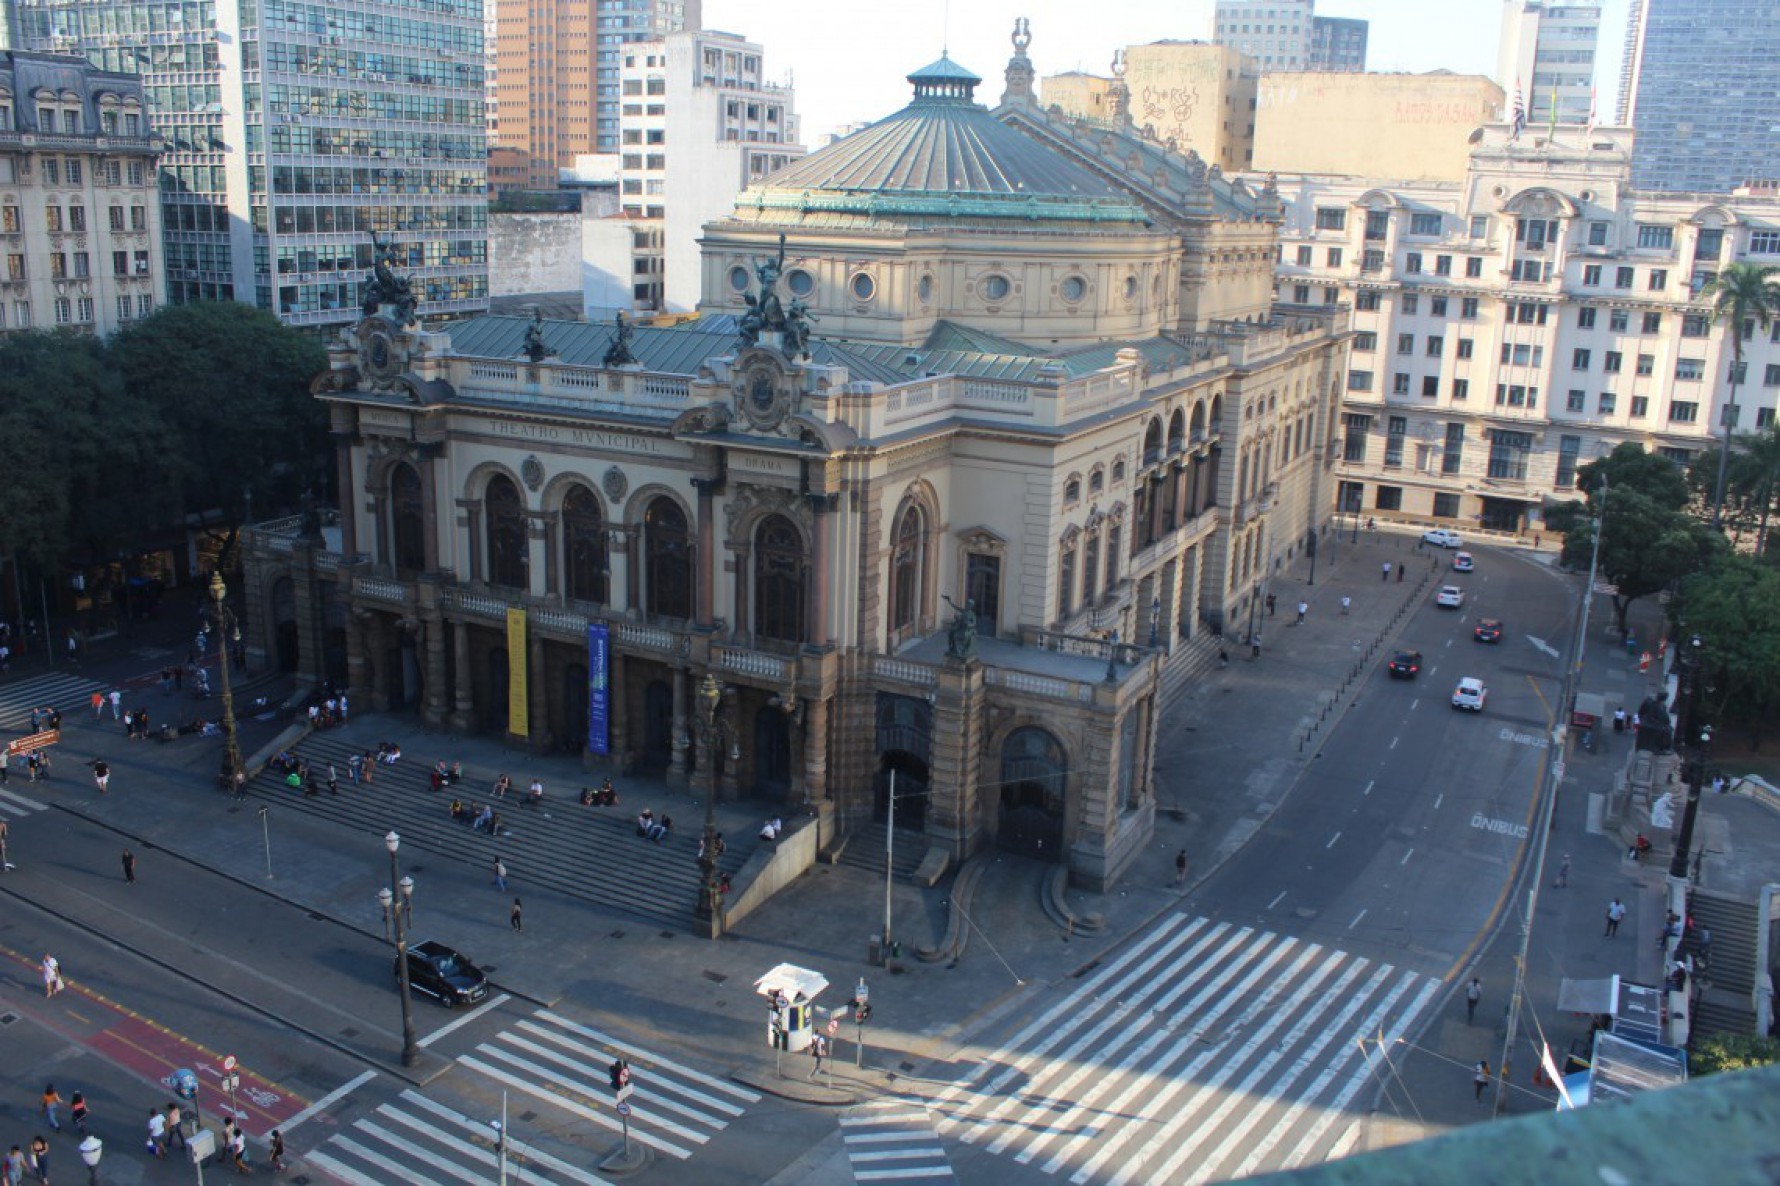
[
  {"x": 1405, "y": 127},
  {"x": 1518, "y": 323},
  {"x": 1701, "y": 85},
  {"x": 558, "y": 64},
  {"x": 1548, "y": 51},
  {"x": 1288, "y": 35},
  {"x": 1149, "y": 92},
  {"x": 79, "y": 215},
  {"x": 293, "y": 133}
]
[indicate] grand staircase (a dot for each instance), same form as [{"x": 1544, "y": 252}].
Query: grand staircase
[{"x": 1724, "y": 1007}]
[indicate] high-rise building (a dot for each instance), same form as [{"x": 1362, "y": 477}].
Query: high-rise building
[
  {"x": 1288, "y": 35},
  {"x": 558, "y": 63},
  {"x": 1338, "y": 44},
  {"x": 1188, "y": 95},
  {"x": 78, "y": 213},
  {"x": 295, "y": 132},
  {"x": 1547, "y": 51},
  {"x": 1702, "y": 89}
]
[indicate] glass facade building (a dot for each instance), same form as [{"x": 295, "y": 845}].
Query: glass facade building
[{"x": 297, "y": 130}]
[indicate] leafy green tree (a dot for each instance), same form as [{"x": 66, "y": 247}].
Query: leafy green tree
[
  {"x": 1753, "y": 482},
  {"x": 1732, "y": 1052},
  {"x": 1733, "y": 605},
  {"x": 231, "y": 385},
  {"x": 34, "y": 443},
  {"x": 1742, "y": 292},
  {"x": 1648, "y": 541}
]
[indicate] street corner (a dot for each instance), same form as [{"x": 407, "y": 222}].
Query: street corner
[{"x": 797, "y": 1080}]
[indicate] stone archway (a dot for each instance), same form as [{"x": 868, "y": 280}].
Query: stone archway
[{"x": 1034, "y": 793}]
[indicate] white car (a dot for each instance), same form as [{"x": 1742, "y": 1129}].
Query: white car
[
  {"x": 1470, "y": 694},
  {"x": 1449, "y": 597},
  {"x": 1462, "y": 562},
  {"x": 1440, "y": 537}
]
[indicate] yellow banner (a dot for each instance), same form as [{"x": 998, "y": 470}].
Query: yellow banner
[{"x": 518, "y": 716}]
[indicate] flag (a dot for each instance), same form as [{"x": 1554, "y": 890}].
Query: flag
[
  {"x": 1518, "y": 120},
  {"x": 1593, "y": 117},
  {"x": 1551, "y": 127}
]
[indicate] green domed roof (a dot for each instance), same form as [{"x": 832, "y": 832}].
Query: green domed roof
[{"x": 942, "y": 154}]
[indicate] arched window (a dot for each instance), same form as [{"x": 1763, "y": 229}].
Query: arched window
[
  {"x": 668, "y": 548},
  {"x": 508, "y": 554},
  {"x": 1091, "y": 569},
  {"x": 583, "y": 546},
  {"x": 407, "y": 523},
  {"x": 905, "y": 569},
  {"x": 1177, "y": 432},
  {"x": 1066, "y": 577},
  {"x": 1035, "y": 769},
  {"x": 1152, "y": 443},
  {"x": 780, "y": 574}
]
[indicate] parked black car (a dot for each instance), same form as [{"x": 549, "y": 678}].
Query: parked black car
[
  {"x": 441, "y": 972},
  {"x": 1488, "y": 630},
  {"x": 1406, "y": 664}
]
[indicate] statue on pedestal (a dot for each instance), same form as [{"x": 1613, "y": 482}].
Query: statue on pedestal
[
  {"x": 961, "y": 637},
  {"x": 384, "y": 287}
]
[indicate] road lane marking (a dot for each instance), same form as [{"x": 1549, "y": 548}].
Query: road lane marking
[
  {"x": 1332, "y": 840},
  {"x": 1406, "y": 857},
  {"x": 569, "y": 1104},
  {"x": 1357, "y": 918},
  {"x": 1393, "y": 743},
  {"x": 1414, "y": 703},
  {"x": 1530, "y": 739},
  {"x": 1500, "y": 827},
  {"x": 468, "y": 1016},
  {"x": 480, "y": 1131},
  {"x": 1438, "y": 799},
  {"x": 1277, "y": 897},
  {"x": 1369, "y": 785},
  {"x": 329, "y": 1100}
]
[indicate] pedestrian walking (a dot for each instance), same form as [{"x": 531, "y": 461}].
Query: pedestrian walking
[
  {"x": 333, "y": 780},
  {"x": 238, "y": 1151},
  {"x": 101, "y": 774},
  {"x": 157, "y": 1133},
  {"x": 355, "y": 766},
  {"x": 39, "y": 1146},
  {"x": 1563, "y": 877},
  {"x": 500, "y": 874},
  {"x": 1386, "y": 571},
  {"x": 275, "y": 1154},
  {"x": 52, "y": 976},
  {"x": 77, "y": 1112},
  {"x": 343, "y": 709},
  {"x": 5, "y": 864},
  {"x": 516, "y": 916},
  {"x": 818, "y": 1051},
  {"x": 370, "y": 768},
  {"x": 1303, "y": 608},
  {"x": 12, "y": 1167},
  {"x": 117, "y": 705},
  {"x": 1180, "y": 867},
  {"x": 98, "y": 705},
  {"x": 1615, "y": 915},
  {"x": 1254, "y": 646},
  {"x": 129, "y": 860},
  {"x": 1346, "y": 604},
  {"x": 1473, "y": 994},
  {"x": 1402, "y": 571},
  {"x": 52, "y": 1099},
  {"x": 1480, "y": 1079},
  {"x": 175, "y": 1126},
  {"x": 1270, "y": 605}
]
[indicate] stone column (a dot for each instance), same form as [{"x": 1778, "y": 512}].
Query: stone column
[
  {"x": 473, "y": 567},
  {"x": 537, "y": 681},
  {"x": 705, "y": 567},
  {"x": 432, "y": 655},
  {"x": 729, "y": 744},
  {"x": 358, "y": 664},
  {"x": 823, "y": 506},
  {"x": 617, "y": 713},
  {"x": 676, "y": 772},
  {"x": 348, "y": 493},
  {"x": 815, "y": 751},
  {"x": 429, "y": 505},
  {"x": 539, "y": 572},
  {"x": 464, "y": 716},
  {"x": 377, "y": 660},
  {"x": 953, "y": 814},
  {"x": 306, "y": 596},
  {"x": 620, "y": 591}
]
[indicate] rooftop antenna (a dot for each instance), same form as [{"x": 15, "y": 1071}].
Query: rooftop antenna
[{"x": 945, "y": 32}]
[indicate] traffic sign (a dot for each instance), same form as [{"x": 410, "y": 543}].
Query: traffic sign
[
  {"x": 834, "y": 1026},
  {"x": 228, "y": 1062},
  {"x": 624, "y": 1094},
  {"x": 1607, "y": 588},
  {"x": 624, "y": 1109}
]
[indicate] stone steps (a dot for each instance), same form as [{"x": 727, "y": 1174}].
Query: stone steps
[{"x": 865, "y": 850}]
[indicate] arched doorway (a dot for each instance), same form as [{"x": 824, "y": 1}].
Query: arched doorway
[
  {"x": 905, "y": 746},
  {"x": 1034, "y": 793},
  {"x": 658, "y": 725},
  {"x": 508, "y": 550},
  {"x": 667, "y": 566},
  {"x": 498, "y": 677},
  {"x": 574, "y": 708},
  {"x": 772, "y": 754},
  {"x": 284, "y": 624}
]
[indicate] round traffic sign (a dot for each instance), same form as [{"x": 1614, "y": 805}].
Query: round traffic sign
[
  {"x": 834, "y": 1026},
  {"x": 624, "y": 1109},
  {"x": 228, "y": 1062}
]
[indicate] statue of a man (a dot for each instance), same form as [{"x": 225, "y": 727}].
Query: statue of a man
[{"x": 961, "y": 639}]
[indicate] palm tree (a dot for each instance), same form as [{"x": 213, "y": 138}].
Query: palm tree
[
  {"x": 1741, "y": 293},
  {"x": 1757, "y": 471}
]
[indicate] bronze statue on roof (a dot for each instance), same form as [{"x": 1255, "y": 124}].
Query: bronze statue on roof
[
  {"x": 384, "y": 287},
  {"x": 618, "y": 353}
]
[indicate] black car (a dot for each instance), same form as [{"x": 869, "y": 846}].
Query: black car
[
  {"x": 438, "y": 971},
  {"x": 1405, "y": 665},
  {"x": 1488, "y": 630}
]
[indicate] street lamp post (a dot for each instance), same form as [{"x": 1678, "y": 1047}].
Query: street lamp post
[
  {"x": 1155, "y": 617},
  {"x": 1310, "y": 547},
  {"x": 228, "y": 630},
  {"x": 707, "y": 699},
  {"x": 91, "y": 1150},
  {"x": 396, "y": 900},
  {"x": 1700, "y": 737}
]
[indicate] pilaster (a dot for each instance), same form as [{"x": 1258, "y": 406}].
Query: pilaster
[{"x": 954, "y": 815}]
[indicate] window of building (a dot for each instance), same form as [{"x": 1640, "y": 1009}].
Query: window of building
[
  {"x": 1372, "y": 260},
  {"x": 1378, "y": 223},
  {"x": 1597, "y": 234},
  {"x": 1695, "y": 325},
  {"x": 1301, "y": 294},
  {"x": 15, "y": 266},
  {"x": 1461, "y": 390},
  {"x": 1576, "y": 401},
  {"x": 1624, "y": 277},
  {"x": 1466, "y": 345},
  {"x": 667, "y": 546},
  {"x": 1366, "y": 302},
  {"x": 1764, "y": 417},
  {"x": 1304, "y": 256},
  {"x": 1331, "y": 218},
  {"x": 1411, "y": 303},
  {"x": 1389, "y": 498},
  {"x": 1610, "y": 362},
  {"x": 83, "y": 311},
  {"x": 1640, "y": 407},
  {"x": 139, "y": 218},
  {"x": 1405, "y": 343},
  {"x": 1424, "y": 224},
  {"x": 1515, "y": 395},
  {"x": 1659, "y": 279},
  {"x": 1771, "y": 378},
  {"x": 1437, "y": 307},
  {"x": 1585, "y": 317},
  {"x": 64, "y": 311},
  {"x": 1579, "y": 360},
  {"x": 1591, "y": 275},
  {"x": 1687, "y": 368},
  {"x": 1412, "y": 262},
  {"x": 1618, "y": 320},
  {"x": 1653, "y": 323},
  {"x": 1359, "y": 380},
  {"x": 58, "y": 265},
  {"x": 72, "y": 170},
  {"x": 1365, "y": 340},
  {"x": 52, "y": 170},
  {"x": 1468, "y": 308},
  {"x": 1399, "y": 384},
  {"x": 1569, "y": 448},
  {"x": 1435, "y": 344},
  {"x": 1359, "y": 428},
  {"x": 1333, "y": 257},
  {"x": 1474, "y": 267},
  {"x": 1646, "y": 364},
  {"x": 1606, "y": 402},
  {"x": 1430, "y": 386},
  {"x": 1652, "y": 235},
  {"x": 1480, "y": 226},
  {"x": 1764, "y": 242},
  {"x": 52, "y": 218},
  {"x": 1066, "y": 577},
  {"x": 1446, "y": 506},
  {"x": 1508, "y": 454},
  {"x": 1683, "y": 412},
  {"x": 781, "y": 578},
  {"x": 1443, "y": 265}
]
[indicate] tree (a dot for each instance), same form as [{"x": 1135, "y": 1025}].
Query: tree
[
  {"x": 1751, "y": 485},
  {"x": 231, "y": 384},
  {"x": 1732, "y": 1052},
  {"x": 1741, "y": 293},
  {"x": 1648, "y": 540},
  {"x": 1733, "y": 606}
]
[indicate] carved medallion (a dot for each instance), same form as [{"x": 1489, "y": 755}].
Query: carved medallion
[
  {"x": 763, "y": 390},
  {"x": 531, "y": 472},
  {"x": 383, "y": 352},
  {"x": 615, "y": 484}
]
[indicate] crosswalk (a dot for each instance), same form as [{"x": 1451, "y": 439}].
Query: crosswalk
[
  {"x": 548, "y": 1060},
  {"x": 892, "y": 1141},
  {"x": 54, "y": 689},
  {"x": 16, "y": 806},
  {"x": 1204, "y": 1052}
]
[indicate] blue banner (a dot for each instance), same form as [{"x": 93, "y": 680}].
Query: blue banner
[{"x": 599, "y": 642}]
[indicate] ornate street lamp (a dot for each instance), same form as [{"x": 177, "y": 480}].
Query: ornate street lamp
[
  {"x": 1691, "y": 658},
  {"x": 706, "y": 701},
  {"x": 397, "y": 902},
  {"x": 228, "y": 630}
]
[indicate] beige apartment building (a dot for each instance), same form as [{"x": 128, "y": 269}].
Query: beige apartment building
[
  {"x": 1407, "y": 127},
  {"x": 1510, "y": 326},
  {"x": 80, "y": 215},
  {"x": 1189, "y": 95}
]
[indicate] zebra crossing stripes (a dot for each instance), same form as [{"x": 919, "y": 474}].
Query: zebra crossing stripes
[
  {"x": 52, "y": 690},
  {"x": 891, "y": 1141},
  {"x": 1204, "y": 1051},
  {"x": 16, "y": 805},
  {"x": 416, "y": 1139},
  {"x": 674, "y": 1108}
]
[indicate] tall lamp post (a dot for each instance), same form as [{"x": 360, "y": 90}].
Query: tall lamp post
[
  {"x": 706, "y": 701},
  {"x": 1700, "y": 738},
  {"x": 397, "y": 902},
  {"x": 228, "y": 629}
]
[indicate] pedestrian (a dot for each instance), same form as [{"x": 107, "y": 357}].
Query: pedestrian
[
  {"x": 52, "y": 976},
  {"x": 1480, "y": 1079},
  {"x": 175, "y": 1126},
  {"x": 178, "y": 678},
  {"x": 343, "y": 709},
  {"x": 1386, "y": 571},
  {"x": 818, "y": 1051},
  {"x": 1303, "y": 608},
  {"x": 1254, "y": 644},
  {"x": 516, "y": 916},
  {"x": 129, "y": 859},
  {"x": 77, "y": 1112},
  {"x": 1615, "y": 915},
  {"x": 500, "y": 874},
  {"x": 370, "y": 768},
  {"x": 157, "y": 1133},
  {"x": 1473, "y": 994},
  {"x": 12, "y": 1167},
  {"x": 5, "y": 828},
  {"x": 238, "y": 1151},
  {"x": 275, "y": 1154},
  {"x": 354, "y": 767},
  {"x": 333, "y": 780},
  {"x": 1401, "y": 572},
  {"x": 1563, "y": 877},
  {"x": 1180, "y": 867},
  {"x": 117, "y": 705},
  {"x": 101, "y": 774},
  {"x": 39, "y": 1146},
  {"x": 1270, "y": 605},
  {"x": 98, "y": 705},
  {"x": 52, "y": 1099},
  {"x": 36, "y": 719},
  {"x": 1346, "y": 604}
]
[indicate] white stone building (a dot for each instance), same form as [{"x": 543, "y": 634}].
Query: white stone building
[{"x": 1512, "y": 326}]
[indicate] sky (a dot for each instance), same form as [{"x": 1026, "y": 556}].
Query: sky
[{"x": 848, "y": 58}]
